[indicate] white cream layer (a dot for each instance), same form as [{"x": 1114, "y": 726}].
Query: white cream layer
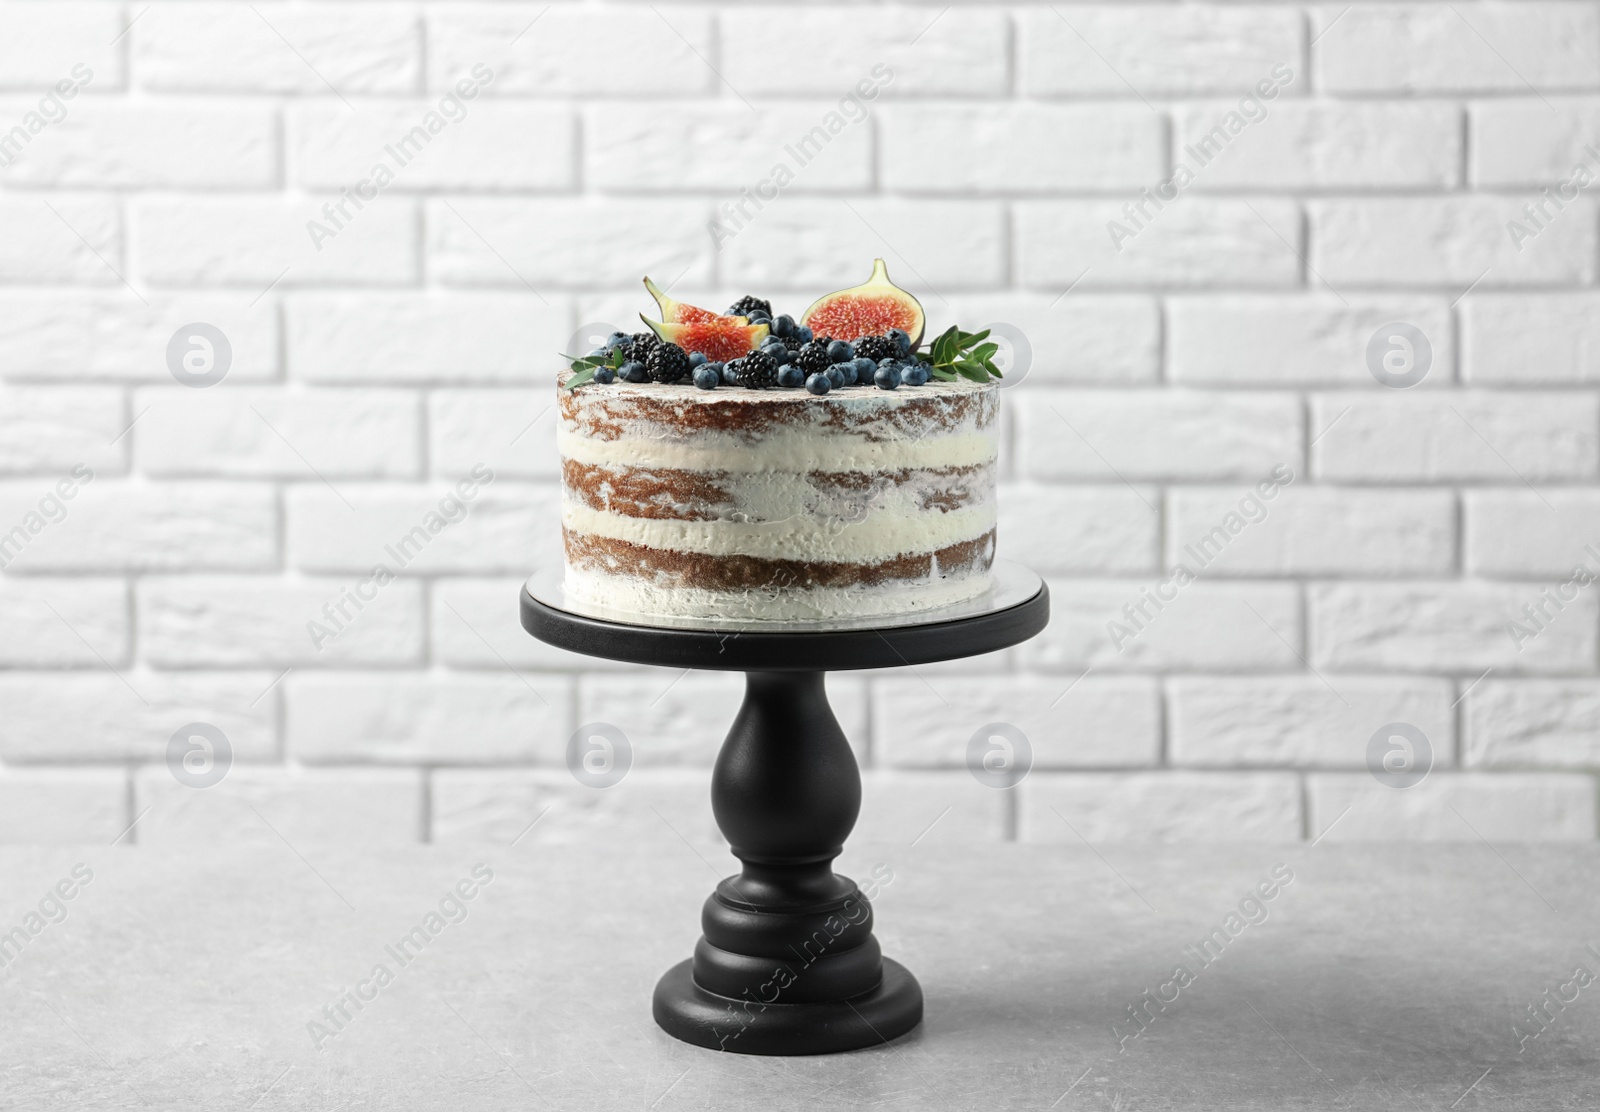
[
  {"x": 787, "y": 450},
  {"x": 778, "y": 495},
  {"x": 877, "y": 537},
  {"x": 902, "y": 596}
]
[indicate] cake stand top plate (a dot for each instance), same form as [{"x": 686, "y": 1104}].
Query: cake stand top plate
[{"x": 1014, "y": 609}]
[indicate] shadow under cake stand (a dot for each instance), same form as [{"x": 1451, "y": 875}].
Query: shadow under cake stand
[{"x": 787, "y": 963}]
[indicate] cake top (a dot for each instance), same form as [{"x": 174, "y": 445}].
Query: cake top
[
  {"x": 866, "y": 336},
  {"x": 655, "y": 409}
]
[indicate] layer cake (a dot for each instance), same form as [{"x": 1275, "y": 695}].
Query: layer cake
[{"x": 777, "y": 504}]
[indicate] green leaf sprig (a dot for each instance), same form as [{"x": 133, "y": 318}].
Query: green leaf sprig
[
  {"x": 587, "y": 365},
  {"x": 955, "y": 354}
]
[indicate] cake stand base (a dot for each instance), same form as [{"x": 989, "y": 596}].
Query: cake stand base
[
  {"x": 787, "y": 962},
  {"x": 688, "y": 1012}
]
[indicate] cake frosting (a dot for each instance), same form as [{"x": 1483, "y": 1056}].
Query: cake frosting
[{"x": 777, "y": 504}]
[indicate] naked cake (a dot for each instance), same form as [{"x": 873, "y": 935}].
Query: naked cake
[{"x": 741, "y": 466}]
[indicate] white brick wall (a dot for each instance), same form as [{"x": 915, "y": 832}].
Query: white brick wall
[{"x": 1373, "y": 176}]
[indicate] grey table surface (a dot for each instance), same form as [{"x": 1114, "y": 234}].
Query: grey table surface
[{"x": 1381, "y": 977}]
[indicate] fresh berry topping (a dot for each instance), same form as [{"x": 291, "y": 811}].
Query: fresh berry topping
[
  {"x": 633, "y": 371},
  {"x": 756, "y": 371},
  {"x": 747, "y": 305},
  {"x": 616, "y": 338},
  {"x": 841, "y": 373},
  {"x": 726, "y": 371},
  {"x": 791, "y": 376},
  {"x": 865, "y": 369},
  {"x": 818, "y": 384},
  {"x": 605, "y": 376},
  {"x": 640, "y": 345},
  {"x": 777, "y": 350},
  {"x": 783, "y": 325},
  {"x": 803, "y": 334},
  {"x": 813, "y": 357},
  {"x": 705, "y": 378},
  {"x": 697, "y": 359},
  {"x": 901, "y": 340},
  {"x": 887, "y": 378},
  {"x": 839, "y": 351},
  {"x": 599, "y": 353},
  {"x": 914, "y": 374},
  {"x": 875, "y": 347},
  {"x": 668, "y": 363}
]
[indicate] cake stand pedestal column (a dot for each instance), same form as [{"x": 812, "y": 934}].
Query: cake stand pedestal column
[{"x": 787, "y": 962}]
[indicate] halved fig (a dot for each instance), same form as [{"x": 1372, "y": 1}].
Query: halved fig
[
  {"x": 720, "y": 338},
  {"x": 678, "y": 312},
  {"x": 870, "y": 309}
]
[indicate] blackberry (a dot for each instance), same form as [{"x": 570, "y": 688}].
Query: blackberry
[
  {"x": 813, "y": 357},
  {"x": 747, "y": 305},
  {"x": 757, "y": 371},
  {"x": 875, "y": 348},
  {"x": 639, "y": 346},
  {"x": 668, "y": 363}
]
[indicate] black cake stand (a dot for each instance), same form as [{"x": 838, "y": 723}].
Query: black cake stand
[{"x": 787, "y": 963}]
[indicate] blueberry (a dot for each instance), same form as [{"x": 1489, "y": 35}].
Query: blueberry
[
  {"x": 727, "y": 375},
  {"x": 840, "y": 352},
  {"x": 777, "y": 350},
  {"x": 819, "y": 383},
  {"x": 901, "y": 341},
  {"x": 803, "y": 334},
  {"x": 617, "y": 338},
  {"x": 605, "y": 376},
  {"x": 783, "y": 325},
  {"x": 791, "y": 376},
  {"x": 633, "y": 371},
  {"x": 697, "y": 358},
  {"x": 841, "y": 374},
  {"x": 756, "y": 316},
  {"x": 865, "y": 368},
  {"x": 599, "y": 353},
  {"x": 914, "y": 374},
  {"x": 887, "y": 378},
  {"x": 706, "y": 378}
]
